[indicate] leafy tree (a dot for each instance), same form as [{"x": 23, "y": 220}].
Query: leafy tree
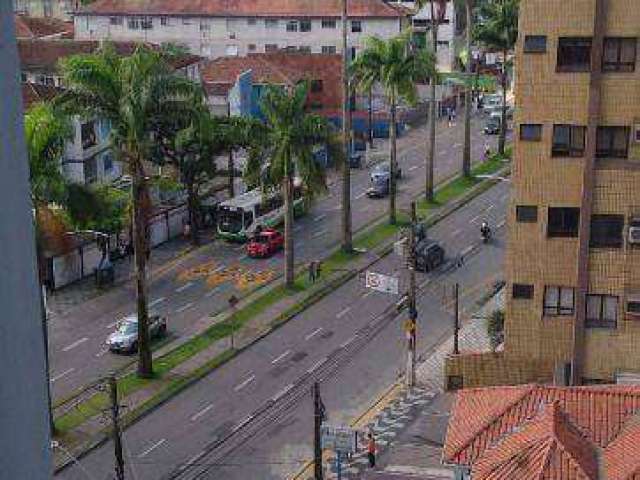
[
  {"x": 290, "y": 135},
  {"x": 101, "y": 208},
  {"x": 498, "y": 30},
  {"x": 134, "y": 93},
  {"x": 396, "y": 66}
]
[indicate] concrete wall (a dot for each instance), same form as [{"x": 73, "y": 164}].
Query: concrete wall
[{"x": 24, "y": 417}]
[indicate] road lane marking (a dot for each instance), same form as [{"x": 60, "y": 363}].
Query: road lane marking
[
  {"x": 157, "y": 301},
  {"x": 360, "y": 195},
  {"x": 242, "y": 423},
  {"x": 319, "y": 218},
  {"x": 60, "y": 375},
  {"x": 75, "y": 344},
  {"x": 476, "y": 217},
  {"x": 219, "y": 269},
  {"x": 280, "y": 357},
  {"x": 282, "y": 392},
  {"x": 366, "y": 294},
  {"x": 212, "y": 292},
  {"x": 240, "y": 386},
  {"x": 489, "y": 208},
  {"x": 347, "y": 342},
  {"x": 313, "y": 334},
  {"x": 184, "y": 307},
  {"x": 343, "y": 312},
  {"x": 466, "y": 250},
  {"x": 415, "y": 167},
  {"x": 319, "y": 234},
  {"x": 456, "y": 232},
  {"x": 316, "y": 365},
  {"x": 152, "y": 448},
  {"x": 184, "y": 287},
  {"x": 102, "y": 352},
  {"x": 201, "y": 412}
]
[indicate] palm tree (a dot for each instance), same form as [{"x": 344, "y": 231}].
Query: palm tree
[
  {"x": 347, "y": 240},
  {"x": 291, "y": 135},
  {"x": 132, "y": 93},
  {"x": 499, "y": 31},
  {"x": 396, "y": 65}
]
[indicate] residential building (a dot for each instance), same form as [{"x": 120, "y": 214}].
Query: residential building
[
  {"x": 447, "y": 32},
  {"x": 28, "y": 27},
  {"x": 219, "y": 28},
  {"x": 62, "y": 9},
  {"x": 88, "y": 157},
  {"x": 573, "y": 258},
  {"x": 533, "y": 431}
]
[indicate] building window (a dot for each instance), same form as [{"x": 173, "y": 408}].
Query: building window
[
  {"x": 251, "y": 47},
  {"x": 606, "y": 231},
  {"x": 328, "y": 23},
  {"x": 115, "y": 21},
  {"x": 305, "y": 25},
  {"x": 329, "y": 49},
  {"x": 420, "y": 23},
  {"x": 146, "y": 23},
  {"x": 291, "y": 48},
  {"x": 568, "y": 141},
  {"x": 107, "y": 162},
  {"x": 535, "y": 44},
  {"x": 531, "y": 132},
  {"x": 602, "y": 311},
  {"x": 316, "y": 86},
  {"x": 23, "y": 77},
  {"x": 251, "y": 21},
  {"x": 88, "y": 135},
  {"x": 522, "y": 291},
  {"x": 558, "y": 301},
  {"x": 271, "y": 23},
  {"x": 574, "y": 54},
  {"x": 204, "y": 26},
  {"x": 271, "y": 47},
  {"x": 133, "y": 23},
  {"x": 612, "y": 142},
  {"x": 443, "y": 43},
  {"x": 186, "y": 21},
  {"x": 356, "y": 26},
  {"x": 563, "y": 222},
  {"x": 619, "y": 54},
  {"x": 49, "y": 81},
  {"x": 304, "y": 49},
  {"x": 633, "y": 304},
  {"x": 231, "y": 51},
  {"x": 165, "y": 21},
  {"x": 526, "y": 213},
  {"x": 292, "y": 26}
]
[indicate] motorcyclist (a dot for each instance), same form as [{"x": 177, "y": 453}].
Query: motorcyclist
[{"x": 485, "y": 231}]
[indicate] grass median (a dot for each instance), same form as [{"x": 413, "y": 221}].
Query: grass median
[{"x": 163, "y": 384}]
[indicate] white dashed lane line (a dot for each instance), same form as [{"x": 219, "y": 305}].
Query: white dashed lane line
[
  {"x": 75, "y": 344},
  {"x": 319, "y": 234},
  {"x": 277, "y": 396},
  {"x": 343, "y": 312},
  {"x": 184, "y": 287},
  {"x": 246, "y": 382},
  {"x": 152, "y": 448},
  {"x": 319, "y": 218},
  {"x": 280, "y": 357},
  {"x": 316, "y": 365},
  {"x": 313, "y": 334},
  {"x": 184, "y": 307},
  {"x": 157, "y": 301},
  {"x": 200, "y": 413},
  {"x": 60, "y": 375}
]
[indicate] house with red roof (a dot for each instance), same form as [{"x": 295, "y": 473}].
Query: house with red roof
[{"x": 545, "y": 432}]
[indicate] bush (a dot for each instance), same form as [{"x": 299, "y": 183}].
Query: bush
[
  {"x": 495, "y": 328},
  {"x": 101, "y": 208}
]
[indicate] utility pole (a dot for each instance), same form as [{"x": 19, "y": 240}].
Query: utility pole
[
  {"x": 230, "y": 163},
  {"x": 318, "y": 415},
  {"x": 347, "y": 234},
  {"x": 413, "y": 313},
  {"x": 456, "y": 320},
  {"x": 117, "y": 439}
]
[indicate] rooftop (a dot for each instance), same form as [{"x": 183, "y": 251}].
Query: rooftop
[
  {"x": 534, "y": 431},
  {"x": 244, "y": 8},
  {"x": 41, "y": 27},
  {"x": 34, "y": 93}
]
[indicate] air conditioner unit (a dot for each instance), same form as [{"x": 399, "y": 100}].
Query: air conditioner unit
[{"x": 634, "y": 234}]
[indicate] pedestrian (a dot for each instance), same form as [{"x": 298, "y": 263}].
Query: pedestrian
[
  {"x": 318, "y": 269},
  {"x": 371, "y": 450},
  {"x": 312, "y": 272},
  {"x": 450, "y": 116},
  {"x": 453, "y": 117}
]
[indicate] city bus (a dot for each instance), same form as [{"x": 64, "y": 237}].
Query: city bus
[{"x": 239, "y": 217}]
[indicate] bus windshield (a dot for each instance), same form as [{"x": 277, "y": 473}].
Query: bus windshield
[{"x": 230, "y": 220}]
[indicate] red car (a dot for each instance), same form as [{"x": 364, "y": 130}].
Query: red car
[{"x": 265, "y": 243}]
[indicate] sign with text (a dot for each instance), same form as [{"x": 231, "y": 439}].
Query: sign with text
[
  {"x": 337, "y": 437},
  {"x": 382, "y": 283}
]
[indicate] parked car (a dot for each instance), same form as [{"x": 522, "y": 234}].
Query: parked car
[
  {"x": 379, "y": 188},
  {"x": 125, "y": 338},
  {"x": 265, "y": 243},
  {"x": 381, "y": 171},
  {"x": 429, "y": 255},
  {"x": 492, "y": 127}
]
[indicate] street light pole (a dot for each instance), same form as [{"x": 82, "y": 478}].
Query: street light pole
[{"x": 410, "y": 376}]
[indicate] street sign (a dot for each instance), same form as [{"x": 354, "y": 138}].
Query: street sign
[
  {"x": 337, "y": 437},
  {"x": 381, "y": 283}
]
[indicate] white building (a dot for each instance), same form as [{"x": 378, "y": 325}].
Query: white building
[
  {"x": 447, "y": 50},
  {"x": 215, "y": 28}
]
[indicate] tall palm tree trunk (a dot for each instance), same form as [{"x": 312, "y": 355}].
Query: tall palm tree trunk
[
  {"x": 466, "y": 155},
  {"x": 347, "y": 240},
  {"x": 145, "y": 365},
  {"x": 192, "y": 204},
  {"x": 231, "y": 167},
  {"x": 287, "y": 190},
  {"x": 503, "y": 122},
  {"x": 392, "y": 162},
  {"x": 431, "y": 150}
]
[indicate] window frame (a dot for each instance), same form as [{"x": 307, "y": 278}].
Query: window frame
[
  {"x": 292, "y": 26},
  {"x": 535, "y": 138},
  {"x": 270, "y": 47},
  {"x": 523, "y": 218},
  {"x": 146, "y": 23},
  {"x": 116, "y": 21},
  {"x": 558, "y": 310},
  {"x": 573, "y": 68},
  {"x": 271, "y": 23},
  {"x": 619, "y": 66},
  {"x": 353, "y": 27},
  {"x": 329, "y": 50},
  {"x": 133, "y": 23},
  {"x": 525, "y": 291},
  {"x": 304, "y": 26},
  {"x": 600, "y": 322},
  {"x": 252, "y": 21},
  {"x": 537, "y": 48},
  {"x": 564, "y": 232},
  {"x": 569, "y": 150},
  {"x": 610, "y": 151},
  {"x": 325, "y": 22},
  {"x": 616, "y": 241}
]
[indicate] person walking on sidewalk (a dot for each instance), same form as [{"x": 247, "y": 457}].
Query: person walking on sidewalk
[
  {"x": 312, "y": 272},
  {"x": 371, "y": 450}
]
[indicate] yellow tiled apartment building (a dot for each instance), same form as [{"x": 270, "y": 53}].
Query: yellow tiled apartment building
[{"x": 573, "y": 253}]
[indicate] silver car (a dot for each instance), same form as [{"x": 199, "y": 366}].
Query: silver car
[
  {"x": 125, "y": 338},
  {"x": 381, "y": 172}
]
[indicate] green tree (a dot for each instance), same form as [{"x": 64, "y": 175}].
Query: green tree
[
  {"x": 499, "y": 31},
  {"x": 102, "y": 208},
  {"x": 395, "y": 65},
  {"x": 291, "y": 134},
  {"x": 134, "y": 93}
]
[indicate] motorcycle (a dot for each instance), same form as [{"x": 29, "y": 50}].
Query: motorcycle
[{"x": 485, "y": 232}]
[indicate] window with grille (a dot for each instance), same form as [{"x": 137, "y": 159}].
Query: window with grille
[
  {"x": 619, "y": 54},
  {"x": 305, "y": 25},
  {"x": 115, "y": 21},
  {"x": 612, "y": 142},
  {"x": 568, "y": 141},
  {"x": 563, "y": 222},
  {"x": 530, "y": 132},
  {"x": 329, "y": 49},
  {"x": 606, "y": 231},
  {"x": 356, "y": 26},
  {"x": 574, "y": 54},
  {"x": 522, "y": 291},
  {"x": 146, "y": 23},
  {"x": 327, "y": 23},
  {"x": 165, "y": 21},
  {"x": 271, "y": 47},
  {"x": 271, "y": 23},
  {"x": 602, "y": 311},
  {"x": 133, "y": 23},
  {"x": 535, "y": 44},
  {"x": 251, "y": 21},
  {"x": 559, "y": 301},
  {"x": 292, "y": 26},
  {"x": 526, "y": 213}
]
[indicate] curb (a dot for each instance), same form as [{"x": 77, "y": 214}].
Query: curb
[{"x": 384, "y": 249}]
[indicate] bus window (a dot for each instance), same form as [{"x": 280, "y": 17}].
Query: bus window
[
  {"x": 230, "y": 221},
  {"x": 248, "y": 219}
]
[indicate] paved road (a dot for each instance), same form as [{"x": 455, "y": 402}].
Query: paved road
[
  {"x": 77, "y": 352},
  {"x": 329, "y": 340}
]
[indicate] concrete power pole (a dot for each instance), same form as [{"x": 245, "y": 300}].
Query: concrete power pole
[
  {"x": 456, "y": 320},
  {"x": 347, "y": 234},
  {"x": 411, "y": 324},
  {"x": 25, "y": 443},
  {"x": 115, "y": 423},
  {"x": 318, "y": 415}
]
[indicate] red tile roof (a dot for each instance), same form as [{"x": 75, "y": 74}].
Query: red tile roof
[
  {"x": 39, "y": 27},
  {"x": 534, "y": 431},
  {"x": 244, "y": 8},
  {"x": 42, "y": 54}
]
